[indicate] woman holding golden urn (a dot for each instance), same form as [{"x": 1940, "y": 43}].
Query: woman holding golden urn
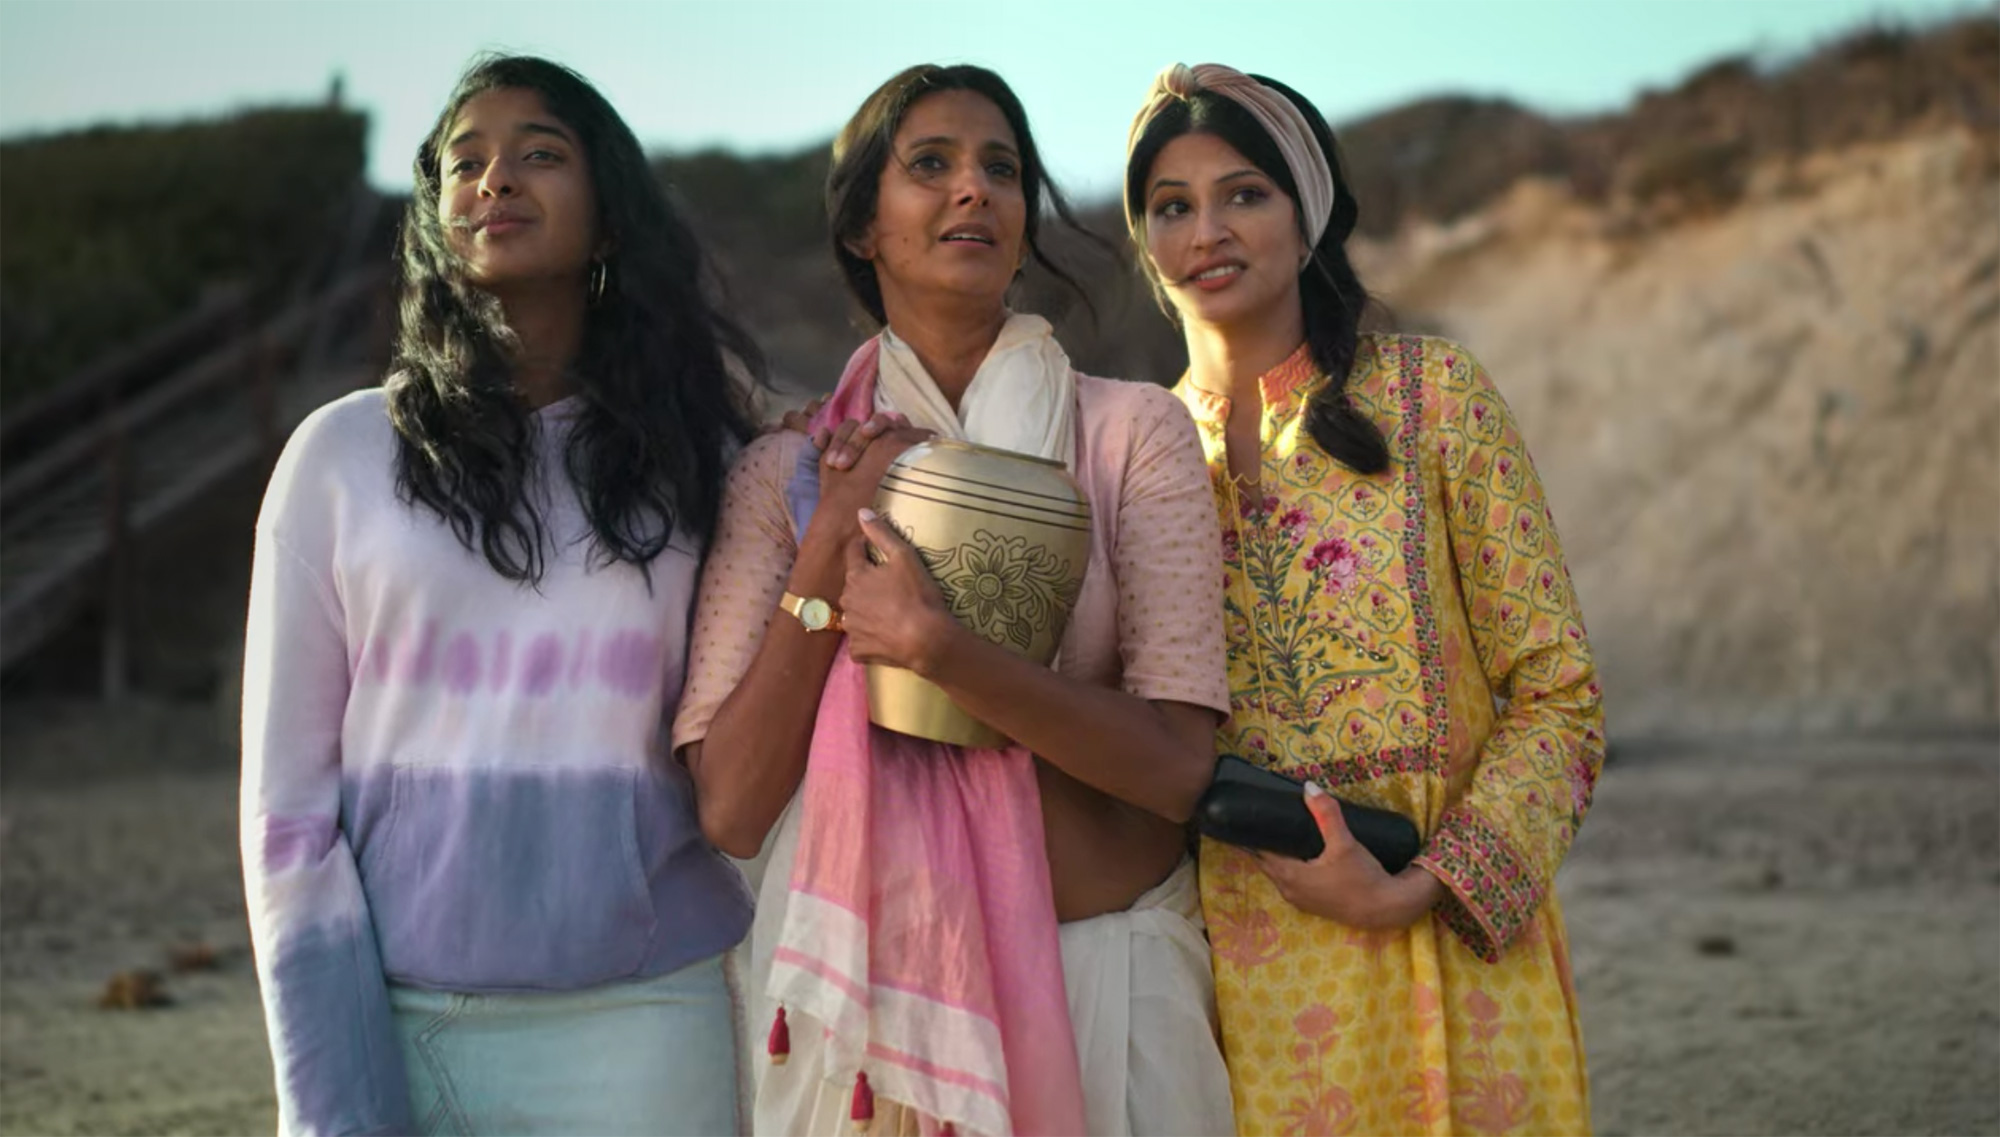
[{"x": 1000, "y": 932}]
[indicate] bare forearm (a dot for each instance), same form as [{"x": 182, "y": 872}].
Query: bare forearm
[
  {"x": 754, "y": 755},
  {"x": 1159, "y": 757}
]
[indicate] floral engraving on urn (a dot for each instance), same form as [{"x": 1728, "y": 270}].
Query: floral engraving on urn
[{"x": 1005, "y": 588}]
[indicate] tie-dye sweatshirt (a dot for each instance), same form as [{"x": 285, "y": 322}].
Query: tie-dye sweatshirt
[{"x": 451, "y": 780}]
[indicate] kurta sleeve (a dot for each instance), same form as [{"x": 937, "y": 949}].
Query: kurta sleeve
[
  {"x": 1498, "y": 846},
  {"x": 1168, "y": 561},
  {"x": 338, "y": 1063},
  {"x": 741, "y": 583}
]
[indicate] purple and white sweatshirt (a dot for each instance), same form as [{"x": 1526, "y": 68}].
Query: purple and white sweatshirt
[{"x": 450, "y": 780}]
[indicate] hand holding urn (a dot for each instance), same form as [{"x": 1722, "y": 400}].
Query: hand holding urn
[
  {"x": 1006, "y": 537},
  {"x": 891, "y": 609}
]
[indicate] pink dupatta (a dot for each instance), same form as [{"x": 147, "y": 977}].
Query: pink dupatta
[{"x": 920, "y": 926}]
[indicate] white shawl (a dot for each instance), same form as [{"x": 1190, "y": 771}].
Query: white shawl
[{"x": 1022, "y": 398}]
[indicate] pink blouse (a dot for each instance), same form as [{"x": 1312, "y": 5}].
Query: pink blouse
[{"x": 1148, "y": 618}]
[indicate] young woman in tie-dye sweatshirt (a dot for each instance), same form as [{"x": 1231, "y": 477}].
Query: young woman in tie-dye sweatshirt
[{"x": 478, "y": 893}]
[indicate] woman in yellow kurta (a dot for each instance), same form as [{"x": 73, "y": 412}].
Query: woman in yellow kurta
[{"x": 1402, "y": 631}]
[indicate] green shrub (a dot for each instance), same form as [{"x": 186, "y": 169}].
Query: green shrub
[
  {"x": 1704, "y": 174},
  {"x": 1440, "y": 158},
  {"x": 110, "y": 232}
]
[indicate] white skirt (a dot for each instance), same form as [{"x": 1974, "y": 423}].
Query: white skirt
[{"x": 1141, "y": 1002}]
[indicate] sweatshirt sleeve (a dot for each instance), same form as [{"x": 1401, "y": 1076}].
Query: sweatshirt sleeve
[{"x": 326, "y": 1004}]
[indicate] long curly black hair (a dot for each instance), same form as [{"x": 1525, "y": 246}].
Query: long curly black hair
[
  {"x": 659, "y": 410},
  {"x": 1330, "y": 290}
]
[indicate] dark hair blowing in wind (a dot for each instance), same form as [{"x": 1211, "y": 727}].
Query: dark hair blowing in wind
[
  {"x": 659, "y": 413},
  {"x": 1329, "y": 289},
  {"x": 866, "y": 143}
]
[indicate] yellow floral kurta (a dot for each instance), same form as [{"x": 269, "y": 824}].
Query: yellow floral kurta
[{"x": 1373, "y": 622}]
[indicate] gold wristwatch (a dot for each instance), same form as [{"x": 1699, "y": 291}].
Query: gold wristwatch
[{"x": 814, "y": 614}]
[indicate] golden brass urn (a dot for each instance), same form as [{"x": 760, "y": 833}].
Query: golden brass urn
[{"x": 1007, "y": 537}]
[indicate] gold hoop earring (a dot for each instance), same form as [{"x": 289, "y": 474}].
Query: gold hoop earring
[{"x": 598, "y": 274}]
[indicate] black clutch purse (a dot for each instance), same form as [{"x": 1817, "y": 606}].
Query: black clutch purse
[{"x": 1253, "y": 807}]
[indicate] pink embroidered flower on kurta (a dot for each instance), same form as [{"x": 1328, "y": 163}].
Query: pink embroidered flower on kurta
[
  {"x": 1245, "y": 936},
  {"x": 1485, "y": 1014},
  {"x": 1339, "y": 560},
  {"x": 1581, "y": 781},
  {"x": 1426, "y": 1098},
  {"x": 1492, "y": 1104},
  {"x": 1321, "y": 1105},
  {"x": 1316, "y": 1021}
]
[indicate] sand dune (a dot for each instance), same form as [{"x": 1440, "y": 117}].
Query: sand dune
[
  {"x": 1796, "y": 939},
  {"x": 1770, "y": 435}
]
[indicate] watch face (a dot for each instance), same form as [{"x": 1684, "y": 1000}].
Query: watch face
[{"x": 815, "y": 613}]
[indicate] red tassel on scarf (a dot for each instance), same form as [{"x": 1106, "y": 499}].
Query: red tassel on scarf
[
  {"x": 947, "y": 1130},
  {"x": 863, "y": 1110},
  {"x": 779, "y": 1045}
]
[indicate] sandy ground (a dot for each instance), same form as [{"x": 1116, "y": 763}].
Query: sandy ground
[{"x": 1769, "y": 939}]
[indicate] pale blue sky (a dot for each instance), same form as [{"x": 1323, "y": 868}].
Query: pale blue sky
[{"x": 762, "y": 75}]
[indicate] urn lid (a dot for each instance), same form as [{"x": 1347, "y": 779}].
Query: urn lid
[{"x": 986, "y": 479}]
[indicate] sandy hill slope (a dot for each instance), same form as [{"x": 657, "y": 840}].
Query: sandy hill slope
[{"x": 1771, "y": 432}]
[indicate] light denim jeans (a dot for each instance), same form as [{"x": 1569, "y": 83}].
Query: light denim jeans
[{"x": 656, "y": 1056}]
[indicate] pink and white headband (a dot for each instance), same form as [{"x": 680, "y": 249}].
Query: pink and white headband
[{"x": 1274, "y": 112}]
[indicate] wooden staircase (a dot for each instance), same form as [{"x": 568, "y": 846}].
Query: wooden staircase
[{"x": 119, "y": 449}]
